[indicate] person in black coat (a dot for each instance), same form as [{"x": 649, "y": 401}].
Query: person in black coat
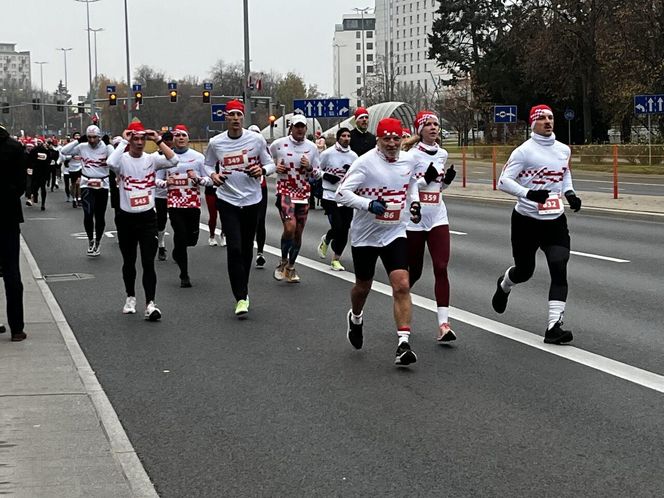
[
  {"x": 361, "y": 139},
  {"x": 12, "y": 186}
]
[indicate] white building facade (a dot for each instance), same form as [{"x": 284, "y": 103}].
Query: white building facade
[
  {"x": 354, "y": 49},
  {"x": 14, "y": 67}
]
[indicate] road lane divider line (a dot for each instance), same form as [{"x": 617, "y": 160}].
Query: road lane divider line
[
  {"x": 597, "y": 256},
  {"x": 615, "y": 368}
]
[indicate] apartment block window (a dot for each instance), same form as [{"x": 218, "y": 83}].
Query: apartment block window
[
  {"x": 358, "y": 46},
  {"x": 369, "y": 57},
  {"x": 370, "y": 46},
  {"x": 358, "y": 34},
  {"x": 358, "y": 81},
  {"x": 370, "y": 69},
  {"x": 358, "y": 69},
  {"x": 369, "y": 34},
  {"x": 358, "y": 58}
]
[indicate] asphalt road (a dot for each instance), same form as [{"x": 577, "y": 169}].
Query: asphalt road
[{"x": 280, "y": 405}]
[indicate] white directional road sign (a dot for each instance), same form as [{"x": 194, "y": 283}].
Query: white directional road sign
[
  {"x": 322, "y": 108},
  {"x": 649, "y": 104},
  {"x": 504, "y": 114},
  {"x": 218, "y": 111}
]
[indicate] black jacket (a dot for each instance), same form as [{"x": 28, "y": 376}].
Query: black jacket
[
  {"x": 12, "y": 180},
  {"x": 361, "y": 143}
]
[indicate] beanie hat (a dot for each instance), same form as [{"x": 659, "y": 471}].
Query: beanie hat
[
  {"x": 537, "y": 111},
  {"x": 405, "y": 133},
  {"x": 136, "y": 127},
  {"x": 93, "y": 131},
  {"x": 254, "y": 128},
  {"x": 235, "y": 105},
  {"x": 422, "y": 118},
  {"x": 341, "y": 131},
  {"x": 389, "y": 127},
  {"x": 181, "y": 128},
  {"x": 360, "y": 112}
]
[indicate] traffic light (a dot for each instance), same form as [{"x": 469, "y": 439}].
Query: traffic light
[
  {"x": 5, "y": 107},
  {"x": 112, "y": 99},
  {"x": 174, "y": 95},
  {"x": 81, "y": 106},
  {"x": 35, "y": 104},
  {"x": 61, "y": 105},
  {"x": 206, "y": 96},
  {"x": 138, "y": 98},
  {"x": 273, "y": 120}
]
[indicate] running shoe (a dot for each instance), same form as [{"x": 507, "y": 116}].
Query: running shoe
[
  {"x": 279, "y": 271},
  {"x": 405, "y": 355},
  {"x": 222, "y": 239},
  {"x": 19, "y": 336},
  {"x": 28, "y": 202},
  {"x": 152, "y": 313},
  {"x": 73, "y": 204},
  {"x": 260, "y": 260},
  {"x": 499, "y": 300},
  {"x": 556, "y": 334},
  {"x": 336, "y": 265},
  {"x": 91, "y": 247},
  {"x": 130, "y": 306},
  {"x": 162, "y": 256},
  {"x": 185, "y": 283},
  {"x": 242, "y": 307},
  {"x": 3, "y": 329},
  {"x": 96, "y": 250},
  {"x": 291, "y": 275},
  {"x": 445, "y": 333},
  {"x": 212, "y": 242},
  {"x": 322, "y": 248},
  {"x": 354, "y": 332}
]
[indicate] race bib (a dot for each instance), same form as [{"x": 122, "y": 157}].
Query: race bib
[
  {"x": 180, "y": 181},
  {"x": 138, "y": 200},
  {"x": 94, "y": 183},
  {"x": 553, "y": 205},
  {"x": 430, "y": 198},
  {"x": 392, "y": 214},
  {"x": 235, "y": 160}
]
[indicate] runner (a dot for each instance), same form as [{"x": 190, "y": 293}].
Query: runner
[
  {"x": 243, "y": 157},
  {"x": 334, "y": 162},
  {"x": 377, "y": 186},
  {"x": 40, "y": 163},
  {"x": 434, "y": 230},
  {"x": 136, "y": 219},
  {"x": 94, "y": 184},
  {"x": 184, "y": 201},
  {"x": 262, "y": 211},
  {"x": 537, "y": 174},
  {"x": 297, "y": 162},
  {"x": 74, "y": 166},
  {"x": 361, "y": 140},
  {"x": 161, "y": 204}
]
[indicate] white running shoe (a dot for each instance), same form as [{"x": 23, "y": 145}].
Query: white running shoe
[
  {"x": 91, "y": 247},
  {"x": 130, "y": 306},
  {"x": 212, "y": 242},
  {"x": 222, "y": 238},
  {"x": 96, "y": 249},
  {"x": 279, "y": 271},
  {"x": 152, "y": 313}
]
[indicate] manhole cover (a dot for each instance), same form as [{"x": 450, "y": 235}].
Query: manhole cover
[{"x": 65, "y": 277}]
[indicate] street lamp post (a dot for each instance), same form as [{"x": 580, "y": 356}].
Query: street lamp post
[
  {"x": 337, "y": 46},
  {"x": 64, "y": 52},
  {"x": 95, "y": 31},
  {"x": 128, "y": 68},
  {"x": 364, "y": 76},
  {"x": 91, "y": 95},
  {"x": 247, "y": 67},
  {"x": 41, "y": 74}
]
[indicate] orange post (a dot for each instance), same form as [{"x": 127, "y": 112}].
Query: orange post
[
  {"x": 463, "y": 166},
  {"x": 615, "y": 171},
  {"x": 493, "y": 157}
]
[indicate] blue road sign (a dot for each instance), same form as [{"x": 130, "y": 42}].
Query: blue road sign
[
  {"x": 649, "y": 104},
  {"x": 569, "y": 114},
  {"x": 207, "y": 86},
  {"x": 136, "y": 87},
  {"x": 322, "y": 108},
  {"x": 504, "y": 114},
  {"x": 218, "y": 111},
  {"x": 110, "y": 88},
  {"x": 172, "y": 85}
]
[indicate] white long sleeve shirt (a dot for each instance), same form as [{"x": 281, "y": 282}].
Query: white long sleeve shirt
[
  {"x": 540, "y": 163},
  {"x": 235, "y": 155},
  {"x": 295, "y": 182},
  {"x": 434, "y": 211},
  {"x": 75, "y": 163},
  {"x": 136, "y": 177},
  {"x": 94, "y": 171},
  {"x": 372, "y": 177},
  {"x": 185, "y": 191},
  {"x": 336, "y": 161}
]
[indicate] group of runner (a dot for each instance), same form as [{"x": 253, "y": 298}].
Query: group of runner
[{"x": 384, "y": 193}]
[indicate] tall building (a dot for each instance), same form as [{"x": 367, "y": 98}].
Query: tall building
[
  {"x": 14, "y": 67},
  {"x": 354, "y": 59},
  {"x": 402, "y": 45}
]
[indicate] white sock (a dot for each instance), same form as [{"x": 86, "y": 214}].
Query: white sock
[
  {"x": 556, "y": 311},
  {"x": 507, "y": 284},
  {"x": 356, "y": 319},
  {"x": 443, "y": 315},
  {"x": 404, "y": 334},
  {"x": 161, "y": 235}
]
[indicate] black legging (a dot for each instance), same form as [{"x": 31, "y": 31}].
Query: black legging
[
  {"x": 240, "y": 229},
  {"x": 161, "y": 205},
  {"x": 94, "y": 201},
  {"x": 39, "y": 185},
  {"x": 138, "y": 229},
  {"x": 260, "y": 226},
  {"x": 185, "y": 233},
  {"x": 11, "y": 273},
  {"x": 340, "y": 219},
  {"x": 66, "y": 180}
]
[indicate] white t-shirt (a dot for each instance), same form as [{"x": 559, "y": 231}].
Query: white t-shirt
[
  {"x": 94, "y": 173},
  {"x": 335, "y": 161},
  {"x": 295, "y": 182},
  {"x": 235, "y": 155},
  {"x": 372, "y": 177}
]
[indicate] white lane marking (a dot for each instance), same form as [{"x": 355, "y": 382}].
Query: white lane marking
[
  {"x": 597, "y": 256},
  {"x": 121, "y": 447},
  {"x": 615, "y": 368},
  {"x": 454, "y": 232}
]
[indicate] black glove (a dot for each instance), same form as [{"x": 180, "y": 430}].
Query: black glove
[
  {"x": 415, "y": 212},
  {"x": 573, "y": 201},
  {"x": 538, "y": 196},
  {"x": 450, "y": 175},
  {"x": 346, "y": 167},
  {"x": 377, "y": 207},
  {"x": 331, "y": 178},
  {"x": 431, "y": 174}
]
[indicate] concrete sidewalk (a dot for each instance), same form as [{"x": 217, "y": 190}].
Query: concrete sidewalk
[{"x": 59, "y": 435}]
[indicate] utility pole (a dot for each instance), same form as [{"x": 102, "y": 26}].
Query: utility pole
[
  {"x": 364, "y": 75},
  {"x": 91, "y": 95},
  {"x": 95, "y": 31},
  {"x": 41, "y": 74},
  {"x": 247, "y": 68},
  {"x": 128, "y": 67},
  {"x": 64, "y": 52}
]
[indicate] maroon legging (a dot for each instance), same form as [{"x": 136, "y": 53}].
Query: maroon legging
[
  {"x": 211, "y": 202},
  {"x": 438, "y": 241}
]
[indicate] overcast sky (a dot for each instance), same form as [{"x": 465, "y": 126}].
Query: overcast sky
[{"x": 178, "y": 37}]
